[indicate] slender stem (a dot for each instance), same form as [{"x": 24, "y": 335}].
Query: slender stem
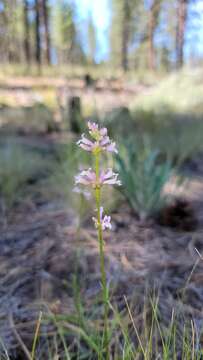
[
  {"x": 36, "y": 336},
  {"x": 102, "y": 262}
]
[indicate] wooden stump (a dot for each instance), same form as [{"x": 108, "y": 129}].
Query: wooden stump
[
  {"x": 89, "y": 81},
  {"x": 75, "y": 115}
]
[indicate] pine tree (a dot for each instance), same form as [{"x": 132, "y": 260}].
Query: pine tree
[
  {"x": 154, "y": 11},
  {"x": 45, "y": 13},
  {"x": 65, "y": 37},
  {"x": 134, "y": 25},
  {"x": 26, "y": 32},
  {"x": 37, "y": 32},
  {"x": 121, "y": 31},
  {"x": 92, "y": 41},
  {"x": 125, "y": 34},
  {"x": 182, "y": 10}
]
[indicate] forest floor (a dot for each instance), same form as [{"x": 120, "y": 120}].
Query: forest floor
[{"x": 41, "y": 247}]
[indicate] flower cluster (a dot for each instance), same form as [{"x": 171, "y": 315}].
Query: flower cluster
[
  {"x": 104, "y": 220},
  {"x": 99, "y": 142},
  {"x": 88, "y": 177}
]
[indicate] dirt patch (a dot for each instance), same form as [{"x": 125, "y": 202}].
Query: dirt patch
[{"x": 38, "y": 259}]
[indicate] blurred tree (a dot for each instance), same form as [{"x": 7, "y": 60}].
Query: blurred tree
[
  {"x": 163, "y": 58},
  {"x": 26, "y": 32},
  {"x": 66, "y": 41},
  {"x": 122, "y": 30},
  {"x": 182, "y": 11},
  {"x": 92, "y": 41},
  {"x": 125, "y": 33},
  {"x": 143, "y": 33},
  {"x": 154, "y": 11},
  {"x": 3, "y": 31},
  {"x": 37, "y": 33},
  {"x": 134, "y": 24},
  {"x": 45, "y": 12},
  {"x": 10, "y": 30}
]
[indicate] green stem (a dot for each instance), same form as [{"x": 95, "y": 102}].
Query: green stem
[{"x": 102, "y": 260}]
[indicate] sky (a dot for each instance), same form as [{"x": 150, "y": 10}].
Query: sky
[
  {"x": 100, "y": 11},
  {"x": 194, "y": 41}
]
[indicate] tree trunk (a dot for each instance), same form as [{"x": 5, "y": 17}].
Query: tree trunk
[
  {"x": 125, "y": 35},
  {"x": 26, "y": 33},
  {"x": 151, "y": 40},
  {"x": 153, "y": 22},
  {"x": 37, "y": 33},
  {"x": 180, "y": 31},
  {"x": 46, "y": 28}
]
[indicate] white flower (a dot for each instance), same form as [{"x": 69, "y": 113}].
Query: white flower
[
  {"x": 105, "y": 221},
  {"x": 88, "y": 177}
]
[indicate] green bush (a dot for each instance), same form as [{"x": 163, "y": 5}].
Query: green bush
[
  {"x": 18, "y": 167},
  {"x": 143, "y": 176}
]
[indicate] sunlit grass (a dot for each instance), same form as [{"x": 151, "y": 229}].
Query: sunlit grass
[{"x": 180, "y": 92}]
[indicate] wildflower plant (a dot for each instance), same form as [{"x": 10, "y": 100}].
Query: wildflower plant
[{"x": 96, "y": 178}]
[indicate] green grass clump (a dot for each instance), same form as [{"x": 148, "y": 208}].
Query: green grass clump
[
  {"x": 18, "y": 167},
  {"x": 143, "y": 176},
  {"x": 79, "y": 335}
]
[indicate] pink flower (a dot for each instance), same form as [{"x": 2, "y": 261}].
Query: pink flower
[
  {"x": 88, "y": 177},
  {"x": 101, "y": 141},
  {"x": 87, "y": 144},
  {"x": 105, "y": 221},
  {"x": 93, "y": 127},
  {"x": 108, "y": 145},
  {"x": 109, "y": 177},
  {"x": 95, "y": 132}
]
